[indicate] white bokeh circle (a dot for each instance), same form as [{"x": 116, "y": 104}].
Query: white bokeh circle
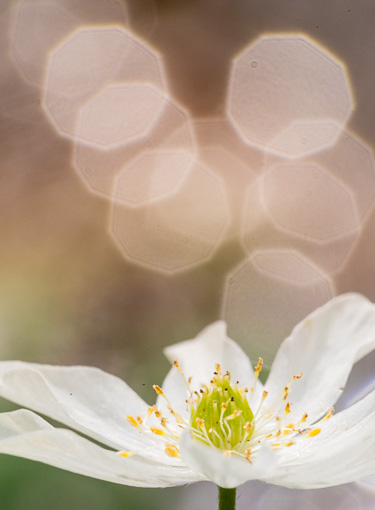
[{"x": 282, "y": 83}]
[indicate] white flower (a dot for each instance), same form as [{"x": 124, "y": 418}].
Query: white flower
[{"x": 221, "y": 430}]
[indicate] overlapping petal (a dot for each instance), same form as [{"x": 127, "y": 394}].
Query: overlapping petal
[
  {"x": 347, "y": 458},
  {"x": 84, "y": 398},
  {"x": 324, "y": 347},
  {"x": 226, "y": 471},
  {"x": 26, "y": 435}
]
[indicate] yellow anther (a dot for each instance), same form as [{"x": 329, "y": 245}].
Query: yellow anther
[
  {"x": 218, "y": 369},
  {"x": 286, "y": 392},
  {"x": 133, "y": 422},
  {"x": 290, "y": 426},
  {"x": 227, "y": 453},
  {"x": 139, "y": 420},
  {"x": 157, "y": 431},
  {"x": 171, "y": 450},
  {"x": 303, "y": 419},
  {"x": 150, "y": 410},
  {"x": 259, "y": 366},
  {"x": 298, "y": 376},
  {"x": 157, "y": 413},
  {"x": 287, "y": 408},
  {"x": 233, "y": 415},
  {"x": 313, "y": 433},
  {"x": 248, "y": 455},
  {"x": 291, "y": 443},
  {"x": 328, "y": 415},
  {"x": 200, "y": 422},
  {"x": 126, "y": 454},
  {"x": 248, "y": 426},
  {"x": 158, "y": 390}
]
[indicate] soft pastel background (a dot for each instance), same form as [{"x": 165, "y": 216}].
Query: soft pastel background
[{"x": 71, "y": 294}]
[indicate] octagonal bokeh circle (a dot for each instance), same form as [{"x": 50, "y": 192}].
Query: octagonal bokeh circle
[
  {"x": 120, "y": 114},
  {"x": 88, "y": 61},
  {"x": 282, "y": 80},
  {"x": 266, "y": 295},
  {"x": 175, "y": 233}
]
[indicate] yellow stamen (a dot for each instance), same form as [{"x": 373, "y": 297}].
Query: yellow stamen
[
  {"x": 133, "y": 422},
  {"x": 258, "y": 367},
  {"x": 233, "y": 415},
  {"x": 158, "y": 390},
  {"x": 248, "y": 426},
  {"x": 126, "y": 454},
  {"x": 328, "y": 415},
  {"x": 313, "y": 433},
  {"x": 157, "y": 431},
  {"x": 303, "y": 419},
  {"x": 286, "y": 392},
  {"x": 171, "y": 450}
]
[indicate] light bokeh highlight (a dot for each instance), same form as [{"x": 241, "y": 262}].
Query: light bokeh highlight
[
  {"x": 40, "y": 25},
  {"x": 285, "y": 92},
  {"x": 86, "y": 62},
  {"x": 175, "y": 233},
  {"x": 267, "y": 295},
  {"x": 98, "y": 167}
]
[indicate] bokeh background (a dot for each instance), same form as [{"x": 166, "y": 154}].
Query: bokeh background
[{"x": 115, "y": 244}]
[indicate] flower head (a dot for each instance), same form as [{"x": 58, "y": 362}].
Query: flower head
[{"x": 213, "y": 419}]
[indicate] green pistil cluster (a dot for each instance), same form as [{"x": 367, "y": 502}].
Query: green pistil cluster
[{"x": 221, "y": 415}]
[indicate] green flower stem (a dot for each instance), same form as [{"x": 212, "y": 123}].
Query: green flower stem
[{"x": 227, "y": 499}]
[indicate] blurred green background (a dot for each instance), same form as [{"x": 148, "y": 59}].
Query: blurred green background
[{"x": 67, "y": 296}]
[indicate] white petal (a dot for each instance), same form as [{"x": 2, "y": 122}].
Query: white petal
[
  {"x": 343, "y": 452},
  {"x": 84, "y": 398},
  {"x": 198, "y": 358},
  {"x": 360, "y": 382},
  {"x": 24, "y": 434},
  {"x": 324, "y": 347},
  {"x": 226, "y": 471},
  {"x": 346, "y": 497}
]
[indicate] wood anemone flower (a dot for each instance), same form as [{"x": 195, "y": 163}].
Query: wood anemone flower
[{"x": 213, "y": 419}]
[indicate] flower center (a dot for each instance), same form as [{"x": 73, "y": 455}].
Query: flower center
[{"x": 221, "y": 415}]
